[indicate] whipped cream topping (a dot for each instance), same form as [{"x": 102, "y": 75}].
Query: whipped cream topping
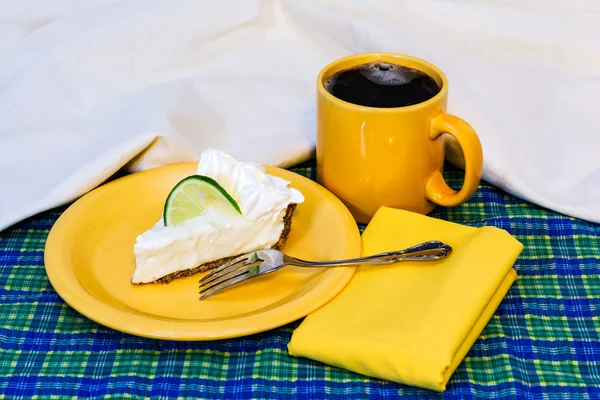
[{"x": 257, "y": 193}]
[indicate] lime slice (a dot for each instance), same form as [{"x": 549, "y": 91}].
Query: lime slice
[{"x": 192, "y": 195}]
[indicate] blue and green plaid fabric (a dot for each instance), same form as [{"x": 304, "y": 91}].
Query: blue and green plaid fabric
[{"x": 542, "y": 343}]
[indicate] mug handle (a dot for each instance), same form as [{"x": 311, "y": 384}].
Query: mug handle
[{"x": 437, "y": 190}]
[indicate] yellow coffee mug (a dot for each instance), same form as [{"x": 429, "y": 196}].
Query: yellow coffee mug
[{"x": 371, "y": 157}]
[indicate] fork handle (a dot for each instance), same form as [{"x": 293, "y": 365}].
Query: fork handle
[{"x": 432, "y": 250}]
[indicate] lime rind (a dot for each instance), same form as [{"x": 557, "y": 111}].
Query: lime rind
[{"x": 201, "y": 184}]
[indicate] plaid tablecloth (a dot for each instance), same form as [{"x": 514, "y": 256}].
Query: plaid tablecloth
[{"x": 543, "y": 341}]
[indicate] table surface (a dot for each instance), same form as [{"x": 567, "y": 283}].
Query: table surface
[{"x": 542, "y": 342}]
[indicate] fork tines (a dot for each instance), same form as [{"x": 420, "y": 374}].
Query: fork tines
[{"x": 227, "y": 274}]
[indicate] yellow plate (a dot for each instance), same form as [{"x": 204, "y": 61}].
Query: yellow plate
[{"x": 89, "y": 261}]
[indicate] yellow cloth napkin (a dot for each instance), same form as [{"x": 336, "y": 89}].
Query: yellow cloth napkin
[{"x": 412, "y": 322}]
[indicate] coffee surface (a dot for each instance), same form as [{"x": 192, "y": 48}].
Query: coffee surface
[{"x": 382, "y": 85}]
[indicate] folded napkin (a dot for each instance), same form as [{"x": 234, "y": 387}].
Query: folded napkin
[{"x": 412, "y": 322}]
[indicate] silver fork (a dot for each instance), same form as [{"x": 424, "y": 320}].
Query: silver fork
[{"x": 261, "y": 262}]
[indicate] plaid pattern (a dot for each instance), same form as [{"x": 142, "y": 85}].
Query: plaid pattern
[{"x": 543, "y": 341}]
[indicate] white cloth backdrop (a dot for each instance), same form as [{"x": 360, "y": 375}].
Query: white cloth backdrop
[{"x": 88, "y": 87}]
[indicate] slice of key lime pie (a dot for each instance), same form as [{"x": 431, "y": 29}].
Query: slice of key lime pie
[{"x": 228, "y": 208}]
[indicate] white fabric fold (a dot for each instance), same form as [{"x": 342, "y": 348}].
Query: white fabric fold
[{"x": 88, "y": 88}]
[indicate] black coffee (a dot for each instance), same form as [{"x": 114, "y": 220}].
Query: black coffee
[{"x": 382, "y": 85}]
